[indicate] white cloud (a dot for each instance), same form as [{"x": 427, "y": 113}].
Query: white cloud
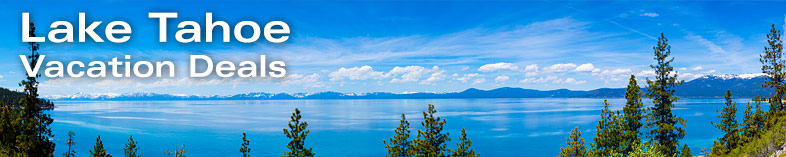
[
  {"x": 585, "y": 67},
  {"x": 410, "y": 73},
  {"x": 646, "y": 73},
  {"x": 356, "y": 73},
  {"x": 498, "y": 66},
  {"x": 1, "y": 76},
  {"x": 573, "y": 81},
  {"x": 466, "y": 77},
  {"x": 533, "y": 67},
  {"x": 530, "y": 74},
  {"x": 682, "y": 69},
  {"x": 560, "y": 67},
  {"x": 539, "y": 79},
  {"x": 311, "y": 81},
  {"x": 697, "y": 68},
  {"x": 710, "y": 71},
  {"x": 436, "y": 76},
  {"x": 502, "y": 78},
  {"x": 478, "y": 81},
  {"x": 649, "y": 14}
]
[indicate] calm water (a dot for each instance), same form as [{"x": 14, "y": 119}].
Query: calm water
[{"x": 497, "y": 127}]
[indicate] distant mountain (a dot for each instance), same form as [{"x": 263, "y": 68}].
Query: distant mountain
[{"x": 710, "y": 86}]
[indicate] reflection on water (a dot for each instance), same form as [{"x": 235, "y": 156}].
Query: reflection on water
[{"x": 497, "y": 127}]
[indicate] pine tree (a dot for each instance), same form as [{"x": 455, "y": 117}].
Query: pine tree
[
  {"x": 34, "y": 134},
  {"x": 297, "y": 133},
  {"x": 431, "y": 142},
  {"x": 9, "y": 128},
  {"x": 130, "y": 150},
  {"x": 633, "y": 116},
  {"x": 463, "y": 147},
  {"x": 685, "y": 152},
  {"x": 575, "y": 146},
  {"x": 607, "y": 135},
  {"x": 98, "y": 149},
  {"x": 244, "y": 147},
  {"x": 400, "y": 145},
  {"x": 178, "y": 152},
  {"x": 753, "y": 118},
  {"x": 728, "y": 125},
  {"x": 665, "y": 132},
  {"x": 70, "y": 142},
  {"x": 773, "y": 65}
]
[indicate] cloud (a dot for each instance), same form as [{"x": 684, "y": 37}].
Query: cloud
[
  {"x": 478, "y": 81},
  {"x": 585, "y": 67},
  {"x": 356, "y": 73},
  {"x": 498, "y": 66},
  {"x": 573, "y": 81},
  {"x": 311, "y": 81},
  {"x": 409, "y": 73},
  {"x": 436, "y": 76},
  {"x": 560, "y": 67},
  {"x": 1, "y": 76},
  {"x": 533, "y": 67},
  {"x": 538, "y": 80},
  {"x": 502, "y": 78},
  {"x": 649, "y": 14},
  {"x": 697, "y": 68},
  {"x": 467, "y": 77}
]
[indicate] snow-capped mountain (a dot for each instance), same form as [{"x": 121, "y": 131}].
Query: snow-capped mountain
[{"x": 709, "y": 86}]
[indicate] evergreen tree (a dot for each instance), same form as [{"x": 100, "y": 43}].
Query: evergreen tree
[
  {"x": 297, "y": 133},
  {"x": 607, "y": 134},
  {"x": 244, "y": 147},
  {"x": 634, "y": 113},
  {"x": 9, "y": 128},
  {"x": 179, "y": 152},
  {"x": 400, "y": 145},
  {"x": 463, "y": 147},
  {"x": 665, "y": 132},
  {"x": 130, "y": 150},
  {"x": 728, "y": 125},
  {"x": 34, "y": 134},
  {"x": 773, "y": 65},
  {"x": 98, "y": 149},
  {"x": 431, "y": 142},
  {"x": 70, "y": 142},
  {"x": 575, "y": 146},
  {"x": 752, "y": 121},
  {"x": 685, "y": 152}
]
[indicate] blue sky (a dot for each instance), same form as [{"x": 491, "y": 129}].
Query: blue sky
[{"x": 411, "y": 46}]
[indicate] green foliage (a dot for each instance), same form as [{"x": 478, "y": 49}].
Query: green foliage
[
  {"x": 400, "y": 145},
  {"x": 70, "y": 142},
  {"x": 766, "y": 142},
  {"x": 431, "y": 142},
  {"x": 178, "y": 152},
  {"x": 753, "y": 119},
  {"x": 634, "y": 113},
  {"x": 26, "y": 129},
  {"x": 665, "y": 132},
  {"x": 646, "y": 150},
  {"x": 11, "y": 98},
  {"x": 607, "y": 133},
  {"x": 463, "y": 147},
  {"x": 576, "y": 147},
  {"x": 685, "y": 152},
  {"x": 98, "y": 149},
  {"x": 244, "y": 147},
  {"x": 297, "y": 132},
  {"x": 773, "y": 65},
  {"x": 728, "y": 125},
  {"x": 131, "y": 149}
]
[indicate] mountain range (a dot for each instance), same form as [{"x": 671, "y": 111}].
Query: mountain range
[{"x": 709, "y": 86}]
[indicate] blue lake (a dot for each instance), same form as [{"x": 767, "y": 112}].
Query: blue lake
[{"x": 497, "y": 127}]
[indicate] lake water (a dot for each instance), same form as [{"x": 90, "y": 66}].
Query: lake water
[{"x": 497, "y": 127}]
